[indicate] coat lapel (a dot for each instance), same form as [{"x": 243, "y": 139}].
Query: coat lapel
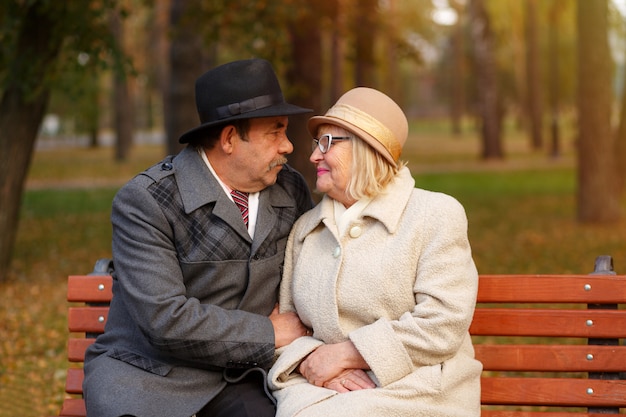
[
  {"x": 270, "y": 198},
  {"x": 199, "y": 187}
]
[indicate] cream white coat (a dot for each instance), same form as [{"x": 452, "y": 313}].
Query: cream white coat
[{"x": 401, "y": 285}]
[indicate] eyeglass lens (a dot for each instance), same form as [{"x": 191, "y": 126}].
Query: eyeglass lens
[{"x": 325, "y": 141}]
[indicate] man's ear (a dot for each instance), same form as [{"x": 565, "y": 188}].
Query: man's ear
[{"x": 227, "y": 138}]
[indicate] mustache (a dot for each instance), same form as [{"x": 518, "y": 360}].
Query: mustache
[{"x": 280, "y": 161}]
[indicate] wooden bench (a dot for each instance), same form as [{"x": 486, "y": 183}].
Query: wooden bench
[{"x": 550, "y": 344}]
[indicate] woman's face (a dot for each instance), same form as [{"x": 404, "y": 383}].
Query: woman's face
[{"x": 334, "y": 167}]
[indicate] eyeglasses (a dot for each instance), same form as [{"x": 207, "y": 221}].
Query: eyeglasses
[{"x": 325, "y": 141}]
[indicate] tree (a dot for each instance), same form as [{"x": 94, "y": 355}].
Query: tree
[
  {"x": 305, "y": 81},
  {"x": 185, "y": 65},
  {"x": 456, "y": 93},
  {"x": 620, "y": 139},
  {"x": 597, "y": 172},
  {"x": 553, "y": 64},
  {"x": 75, "y": 97},
  {"x": 35, "y": 36},
  {"x": 619, "y": 27},
  {"x": 533, "y": 76},
  {"x": 365, "y": 24},
  {"x": 560, "y": 59},
  {"x": 485, "y": 67},
  {"x": 122, "y": 107},
  {"x": 338, "y": 32}
]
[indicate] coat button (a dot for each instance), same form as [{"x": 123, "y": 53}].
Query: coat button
[
  {"x": 355, "y": 231},
  {"x": 166, "y": 166},
  {"x": 337, "y": 252}
]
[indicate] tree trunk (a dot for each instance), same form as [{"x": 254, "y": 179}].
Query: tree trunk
[
  {"x": 620, "y": 143},
  {"x": 337, "y": 52},
  {"x": 457, "y": 98},
  {"x": 122, "y": 103},
  {"x": 185, "y": 60},
  {"x": 365, "y": 28},
  {"x": 488, "y": 106},
  {"x": 620, "y": 140},
  {"x": 553, "y": 62},
  {"x": 92, "y": 117},
  {"x": 21, "y": 113},
  {"x": 533, "y": 77},
  {"x": 597, "y": 172},
  {"x": 124, "y": 120},
  {"x": 392, "y": 83},
  {"x": 304, "y": 78}
]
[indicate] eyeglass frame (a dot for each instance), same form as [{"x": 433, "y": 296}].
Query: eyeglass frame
[{"x": 316, "y": 141}]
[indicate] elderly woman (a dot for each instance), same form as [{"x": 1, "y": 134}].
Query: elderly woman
[{"x": 382, "y": 274}]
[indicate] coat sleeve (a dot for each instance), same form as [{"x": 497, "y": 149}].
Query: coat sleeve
[
  {"x": 445, "y": 287},
  {"x": 288, "y": 358},
  {"x": 284, "y": 371}
]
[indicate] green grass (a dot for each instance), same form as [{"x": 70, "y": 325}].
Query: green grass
[
  {"x": 521, "y": 213},
  {"x": 65, "y": 229},
  {"x": 493, "y": 187},
  {"x": 525, "y": 221},
  {"x": 89, "y": 165}
]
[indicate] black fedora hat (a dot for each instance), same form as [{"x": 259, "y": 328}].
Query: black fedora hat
[{"x": 243, "y": 89}]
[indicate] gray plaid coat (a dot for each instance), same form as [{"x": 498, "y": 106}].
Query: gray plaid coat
[{"x": 192, "y": 290}]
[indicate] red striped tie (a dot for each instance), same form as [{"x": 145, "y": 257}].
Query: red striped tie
[{"x": 241, "y": 199}]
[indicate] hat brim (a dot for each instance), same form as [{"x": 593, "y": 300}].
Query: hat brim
[
  {"x": 281, "y": 109},
  {"x": 315, "y": 122}
]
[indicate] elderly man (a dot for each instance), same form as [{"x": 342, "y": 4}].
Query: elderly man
[{"x": 198, "y": 247}]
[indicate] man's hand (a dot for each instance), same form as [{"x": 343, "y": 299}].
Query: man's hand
[{"x": 287, "y": 327}]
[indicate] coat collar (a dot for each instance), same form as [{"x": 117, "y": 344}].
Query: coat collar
[
  {"x": 196, "y": 184},
  {"x": 199, "y": 187},
  {"x": 386, "y": 208}
]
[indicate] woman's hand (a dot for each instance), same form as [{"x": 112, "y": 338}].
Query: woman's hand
[
  {"x": 350, "y": 380},
  {"x": 330, "y": 365}
]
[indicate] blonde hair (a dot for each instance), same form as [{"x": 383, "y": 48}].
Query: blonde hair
[{"x": 371, "y": 172}]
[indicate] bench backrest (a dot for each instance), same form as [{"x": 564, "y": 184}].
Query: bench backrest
[
  {"x": 552, "y": 341},
  {"x": 90, "y": 296},
  {"x": 544, "y": 340}
]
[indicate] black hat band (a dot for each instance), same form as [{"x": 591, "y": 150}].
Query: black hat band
[{"x": 250, "y": 105}]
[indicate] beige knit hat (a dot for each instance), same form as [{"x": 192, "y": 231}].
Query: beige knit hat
[{"x": 372, "y": 116}]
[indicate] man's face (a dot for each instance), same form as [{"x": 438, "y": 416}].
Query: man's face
[{"x": 258, "y": 160}]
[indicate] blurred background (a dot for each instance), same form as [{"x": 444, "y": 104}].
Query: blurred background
[{"x": 516, "y": 107}]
